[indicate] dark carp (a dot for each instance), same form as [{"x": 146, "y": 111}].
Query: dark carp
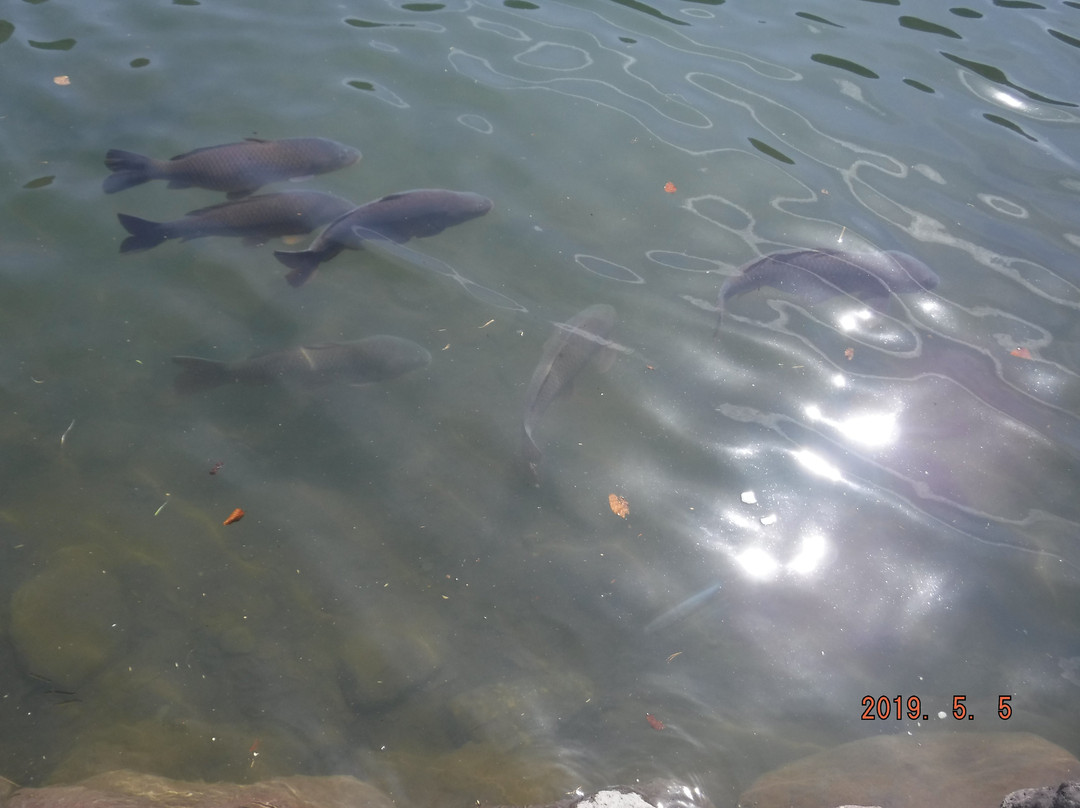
[
  {"x": 254, "y": 219},
  {"x": 397, "y": 218},
  {"x": 236, "y": 168},
  {"x": 817, "y": 275},
  {"x": 566, "y": 352},
  {"x": 372, "y": 359}
]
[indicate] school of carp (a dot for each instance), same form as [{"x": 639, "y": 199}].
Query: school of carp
[{"x": 240, "y": 169}]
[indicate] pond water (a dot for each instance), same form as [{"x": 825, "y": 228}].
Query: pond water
[{"x": 827, "y": 500}]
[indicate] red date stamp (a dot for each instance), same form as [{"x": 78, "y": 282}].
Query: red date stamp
[{"x": 883, "y": 708}]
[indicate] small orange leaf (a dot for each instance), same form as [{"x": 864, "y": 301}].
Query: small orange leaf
[
  {"x": 619, "y": 505},
  {"x": 670, "y": 188},
  {"x": 654, "y": 722},
  {"x": 235, "y": 516},
  {"x": 849, "y": 353},
  {"x": 1023, "y": 353}
]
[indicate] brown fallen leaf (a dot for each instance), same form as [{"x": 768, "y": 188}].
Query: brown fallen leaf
[
  {"x": 619, "y": 505},
  {"x": 235, "y": 516},
  {"x": 1022, "y": 353},
  {"x": 849, "y": 353}
]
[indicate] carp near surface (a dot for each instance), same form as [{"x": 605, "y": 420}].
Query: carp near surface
[
  {"x": 236, "y": 168},
  {"x": 372, "y": 359},
  {"x": 396, "y": 217},
  {"x": 817, "y": 275},
  {"x": 565, "y": 353},
  {"x": 254, "y": 219}
]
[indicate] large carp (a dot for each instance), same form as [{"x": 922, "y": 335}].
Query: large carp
[
  {"x": 254, "y": 219},
  {"x": 817, "y": 275},
  {"x": 397, "y": 217},
  {"x": 236, "y": 168}
]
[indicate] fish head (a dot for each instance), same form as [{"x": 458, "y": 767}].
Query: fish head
[
  {"x": 330, "y": 155},
  {"x": 912, "y": 274},
  {"x": 397, "y": 355},
  {"x": 448, "y": 208},
  {"x": 468, "y": 205}
]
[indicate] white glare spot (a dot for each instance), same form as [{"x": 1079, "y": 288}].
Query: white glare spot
[
  {"x": 838, "y": 380},
  {"x": 749, "y": 497},
  {"x": 810, "y": 555},
  {"x": 818, "y": 465},
  {"x": 1007, "y": 100},
  {"x": 850, "y": 320},
  {"x": 757, "y": 564},
  {"x": 870, "y": 430}
]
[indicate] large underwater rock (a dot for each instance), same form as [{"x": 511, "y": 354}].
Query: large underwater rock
[
  {"x": 127, "y": 789},
  {"x": 68, "y": 621},
  {"x": 1067, "y": 795},
  {"x": 960, "y": 769}
]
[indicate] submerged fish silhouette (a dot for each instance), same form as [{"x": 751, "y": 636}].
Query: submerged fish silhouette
[
  {"x": 236, "y": 168},
  {"x": 372, "y": 359},
  {"x": 397, "y": 217},
  {"x": 565, "y": 353},
  {"x": 817, "y": 275},
  {"x": 254, "y": 219}
]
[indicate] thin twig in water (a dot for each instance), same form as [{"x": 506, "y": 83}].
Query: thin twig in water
[{"x": 66, "y": 431}]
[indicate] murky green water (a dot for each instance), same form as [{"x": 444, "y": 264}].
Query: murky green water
[{"x": 399, "y": 603}]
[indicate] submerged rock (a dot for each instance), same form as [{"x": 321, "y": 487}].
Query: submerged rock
[
  {"x": 126, "y": 789},
  {"x": 961, "y": 769},
  {"x": 69, "y": 621},
  {"x": 1067, "y": 795}
]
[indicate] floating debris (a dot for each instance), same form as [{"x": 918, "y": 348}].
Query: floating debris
[
  {"x": 235, "y": 516},
  {"x": 619, "y": 505}
]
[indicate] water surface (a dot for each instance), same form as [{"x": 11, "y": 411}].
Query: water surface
[{"x": 400, "y": 603}]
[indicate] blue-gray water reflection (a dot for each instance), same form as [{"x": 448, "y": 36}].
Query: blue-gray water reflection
[{"x": 827, "y": 499}]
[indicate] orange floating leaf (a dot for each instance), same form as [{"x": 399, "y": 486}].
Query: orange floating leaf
[
  {"x": 235, "y": 516},
  {"x": 619, "y": 505},
  {"x": 670, "y": 187},
  {"x": 1022, "y": 353},
  {"x": 654, "y": 722},
  {"x": 849, "y": 353}
]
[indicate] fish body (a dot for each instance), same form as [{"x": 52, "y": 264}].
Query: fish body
[
  {"x": 566, "y": 352},
  {"x": 255, "y": 219},
  {"x": 816, "y": 275},
  {"x": 397, "y": 218},
  {"x": 372, "y": 359},
  {"x": 236, "y": 168}
]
